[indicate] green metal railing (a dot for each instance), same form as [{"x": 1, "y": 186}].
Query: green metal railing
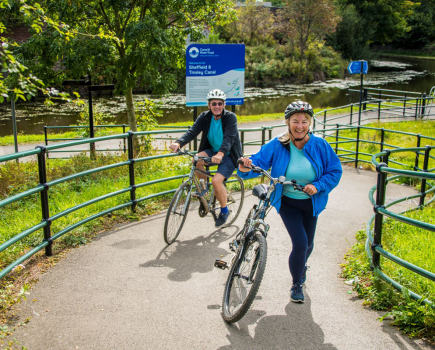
[{"x": 326, "y": 127}]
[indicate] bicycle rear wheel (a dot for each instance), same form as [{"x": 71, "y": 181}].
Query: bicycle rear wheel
[
  {"x": 177, "y": 213},
  {"x": 235, "y": 196},
  {"x": 244, "y": 279}
]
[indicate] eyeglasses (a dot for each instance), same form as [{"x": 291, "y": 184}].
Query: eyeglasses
[{"x": 214, "y": 104}]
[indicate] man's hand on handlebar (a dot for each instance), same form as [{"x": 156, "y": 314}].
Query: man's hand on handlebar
[
  {"x": 175, "y": 147},
  {"x": 244, "y": 164},
  {"x": 217, "y": 158}
]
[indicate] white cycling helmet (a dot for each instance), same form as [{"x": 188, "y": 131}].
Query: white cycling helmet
[{"x": 216, "y": 94}]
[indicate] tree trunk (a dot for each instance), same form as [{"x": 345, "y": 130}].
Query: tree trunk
[{"x": 132, "y": 118}]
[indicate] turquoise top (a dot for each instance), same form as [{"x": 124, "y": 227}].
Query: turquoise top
[
  {"x": 300, "y": 169},
  {"x": 215, "y": 134}
]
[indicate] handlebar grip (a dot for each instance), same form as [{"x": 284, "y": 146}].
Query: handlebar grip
[{"x": 239, "y": 161}]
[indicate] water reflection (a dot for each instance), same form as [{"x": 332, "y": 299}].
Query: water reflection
[{"x": 407, "y": 74}]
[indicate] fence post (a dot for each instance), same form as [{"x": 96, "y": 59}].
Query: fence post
[
  {"x": 365, "y": 99},
  {"x": 270, "y": 134},
  {"x": 243, "y": 142},
  {"x": 382, "y": 138},
  {"x": 351, "y": 113},
  {"x": 263, "y": 135},
  {"x": 379, "y": 110},
  {"x": 380, "y": 203},
  {"x": 123, "y": 140},
  {"x": 42, "y": 170},
  {"x": 423, "y": 106},
  {"x": 357, "y": 146},
  {"x": 416, "y": 108},
  {"x": 336, "y": 138},
  {"x": 324, "y": 124},
  {"x": 423, "y": 181},
  {"x": 417, "y": 153},
  {"x": 131, "y": 170},
  {"x": 404, "y": 106}
]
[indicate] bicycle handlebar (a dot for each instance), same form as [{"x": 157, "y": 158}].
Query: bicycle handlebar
[
  {"x": 279, "y": 180},
  {"x": 196, "y": 157}
]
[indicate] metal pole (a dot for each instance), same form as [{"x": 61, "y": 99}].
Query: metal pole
[
  {"x": 195, "y": 114},
  {"x": 336, "y": 139},
  {"x": 365, "y": 99},
  {"x": 423, "y": 106},
  {"x": 14, "y": 124},
  {"x": 357, "y": 146},
  {"x": 360, "y": 95},
  {"x": 123, "y": 140},
  {"x": 380, "y": 202},
  {"x": 423, "y": 181},
  {"x": 324, "y": 123},
  {"x": 404, "y": 106},
  {"x": 91, "y": 120},
  {"x": 42, "y": 170},
  {"x": 263, "y": 135},
  {"x": 417, "y": 153},
  {"x": 382, "y": 138},
  {"x": 233, "y": 108},
  {"x": 131, "y": 170},
  {"x": 243, "y": 142},
  {"x": 351, "y": 113}
]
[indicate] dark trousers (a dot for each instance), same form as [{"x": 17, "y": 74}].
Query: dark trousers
[{"x": 297, "y": 215}]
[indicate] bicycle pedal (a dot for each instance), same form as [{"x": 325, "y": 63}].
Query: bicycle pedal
[{"x": 221, "y": 264}]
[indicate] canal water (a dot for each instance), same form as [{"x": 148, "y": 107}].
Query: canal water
[{"x": 398, "y": 73}]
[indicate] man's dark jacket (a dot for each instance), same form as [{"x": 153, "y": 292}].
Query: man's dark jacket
[{"x": 231, "y": 142}]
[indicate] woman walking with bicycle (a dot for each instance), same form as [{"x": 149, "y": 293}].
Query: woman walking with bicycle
[{"x": 300, "y": 155}]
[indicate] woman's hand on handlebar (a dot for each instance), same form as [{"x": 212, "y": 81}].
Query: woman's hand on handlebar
[
  {"x": 175, "y": 147},
  {"x": 244, "y": 164},
  {"x": 310, "y": 189}
]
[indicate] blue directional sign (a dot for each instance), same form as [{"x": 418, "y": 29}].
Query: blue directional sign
[
  {"x": 215, "y": 66},
  {"x": 354, "y": 67}
]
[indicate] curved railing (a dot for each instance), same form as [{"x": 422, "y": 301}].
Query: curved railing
[{"x": 328, "y": 127}]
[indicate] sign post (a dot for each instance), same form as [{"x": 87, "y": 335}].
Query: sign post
[
  {"x": 359, "y": 67},
  {"x": 215, "y": 66}
]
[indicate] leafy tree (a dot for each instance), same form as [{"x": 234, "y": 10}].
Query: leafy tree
[
  {"x": 352, "y": 35},
  {"x": 387, "y": 19},
  {"x": 306, "y": 21},
  {"x": 255, "y": 25},
  {"x": 126, "y": 41}
]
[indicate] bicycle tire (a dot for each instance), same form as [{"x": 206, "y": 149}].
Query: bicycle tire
[
  {"x": 234, "y": 202},
  {"x": 247, "y": 269},
  {"x": 174, "y": 217}
]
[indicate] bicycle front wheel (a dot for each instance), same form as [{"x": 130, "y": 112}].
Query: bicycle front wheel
[
  {"x": 177, "y": 213},
  {"x": 235, "y": 196},
  {"x": 244, "y": 279}
]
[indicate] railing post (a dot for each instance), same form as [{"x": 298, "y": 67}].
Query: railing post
[
  {"x": 380, "y": 203},
  {"x": 404, "y": 106},
  {"x": 263, "y": 135},
  {"x": 417, "y": 153},
  {"x": 357, "y": 146},
  {"x": 131, "y": 170},
  {"x": 195, "y": 141},
  {"x": 243, "y": 142},
  {"x": 123, "y": 140},
  {"x": 336, "y": 139},
  {"x": 365, "y": 99},
  {"x": 46, "y": 138},
  {"x": 423, "y": 106},
  {"x": 382, "y": 138},
  {"x": 379, "y": 110},
  {"x": 423, "y": 181},
  {"x": 270, "y": 134},
  {"x": 416, "y": 108},
  {"x": 42, "y": 170},
  {"x": 351, "y": 113},
  {"x": 324, "y": 123}
]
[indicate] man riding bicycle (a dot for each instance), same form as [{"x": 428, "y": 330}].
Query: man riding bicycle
[{"x": 220, "y": 140}]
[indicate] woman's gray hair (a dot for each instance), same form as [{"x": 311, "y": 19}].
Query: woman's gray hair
[{"x": 286, "y": 137}]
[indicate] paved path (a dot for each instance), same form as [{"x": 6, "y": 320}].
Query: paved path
[{"x": 128, "y": 290}]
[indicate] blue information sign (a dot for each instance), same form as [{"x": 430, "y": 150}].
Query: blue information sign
[
  {"x": 215, "y": 66},
  {"x": 354, "y": 67}
]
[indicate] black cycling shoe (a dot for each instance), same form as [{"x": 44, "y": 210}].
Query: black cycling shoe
[{"x": 222, "y": 219}]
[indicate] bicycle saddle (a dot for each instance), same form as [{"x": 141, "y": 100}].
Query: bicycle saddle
[{"x": 260, "y": 191}]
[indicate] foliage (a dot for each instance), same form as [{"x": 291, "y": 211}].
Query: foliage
[
  {"x": 255, "y": 25},
  {"x": 305, "y": 22}
]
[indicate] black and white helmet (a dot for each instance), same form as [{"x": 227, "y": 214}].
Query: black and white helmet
[
  {"x": 298, "y": 107},
  {"x": 216, "y": 94}
]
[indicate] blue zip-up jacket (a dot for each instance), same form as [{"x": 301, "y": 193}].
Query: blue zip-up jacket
[{"x": 320, "y": 154}]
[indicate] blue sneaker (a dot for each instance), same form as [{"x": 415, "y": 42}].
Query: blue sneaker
[
  {"x": 304, "y": 276},
  {"x": 297, "y": 293},
  {"x": 222, "y": 219}
]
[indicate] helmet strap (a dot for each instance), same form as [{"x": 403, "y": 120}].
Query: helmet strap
[{"x": 296, "y": 138}]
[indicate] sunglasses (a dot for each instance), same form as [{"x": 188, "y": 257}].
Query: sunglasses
[{"x": 214, "y": 104}]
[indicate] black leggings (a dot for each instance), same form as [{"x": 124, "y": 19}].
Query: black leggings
[{"x": 297, "y": 215}]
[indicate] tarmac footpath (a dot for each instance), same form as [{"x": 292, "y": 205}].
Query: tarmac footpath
[{"x": 128, "y": 290}]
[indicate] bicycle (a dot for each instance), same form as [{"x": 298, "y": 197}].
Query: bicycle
[
  {"x": 249, "y": 249},
  {"x": 179, "y": 206}
]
